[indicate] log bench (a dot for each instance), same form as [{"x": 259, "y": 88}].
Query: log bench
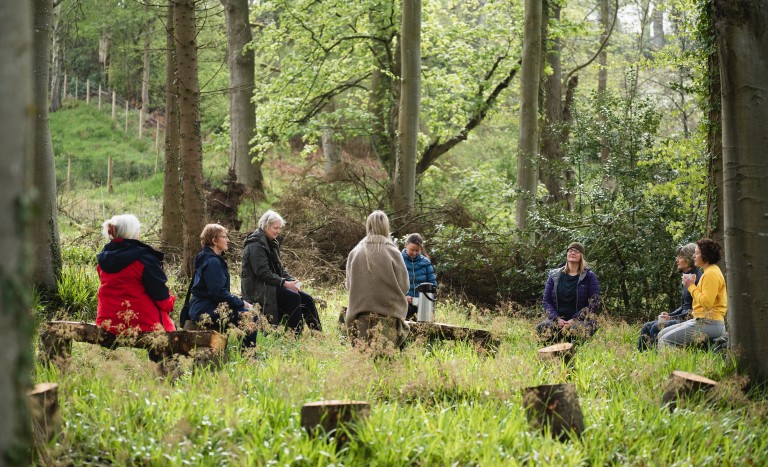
[
  {"x": 204, "y": 347},
  {"x": 439, "y": 331}
]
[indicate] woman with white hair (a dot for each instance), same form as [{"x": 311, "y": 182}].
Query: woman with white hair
[
  {"x": 266, "y": 282},
  {"x": 377, "y": 281},
  {"x": 132, "y": 296}
]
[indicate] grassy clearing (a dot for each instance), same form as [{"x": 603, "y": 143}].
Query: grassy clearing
[{"x": 431, "y": 404}]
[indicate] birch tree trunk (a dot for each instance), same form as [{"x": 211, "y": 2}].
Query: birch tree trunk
[
  {"x": 190, "y": 144},
  {"x": 242, "y": 109},
  {"x": 742, "y": 41},
  {"x": 17, "y": 135},
  {"x": 147, "y": 63},
  {"x": 56, "y": 59},
  {"x": 172, "y": 232},
  {"x": 410, "y": 103},
  {"x": 45, "y": 227},
  {"x": 527, "y": 173}
]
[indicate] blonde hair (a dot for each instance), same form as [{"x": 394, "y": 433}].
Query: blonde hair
[
  {"x": 121, "y": 226},
  {"x": 210, "y": 232},
  {"x": 269, "y": 218},
  {"x": 377, "y": 224}
]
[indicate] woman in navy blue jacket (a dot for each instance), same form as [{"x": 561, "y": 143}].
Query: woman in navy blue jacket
[
  {"x": 571, "y": 299},
  {"x": 419, "y": 269}
]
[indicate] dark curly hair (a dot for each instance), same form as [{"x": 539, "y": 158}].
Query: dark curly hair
[{"x": 711, "y": 251}]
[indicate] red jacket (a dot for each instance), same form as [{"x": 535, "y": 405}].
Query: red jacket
[{"x": 133, "y": 296}]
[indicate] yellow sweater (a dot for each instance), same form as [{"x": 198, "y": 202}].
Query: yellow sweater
[{"x": 710, "y": 298}]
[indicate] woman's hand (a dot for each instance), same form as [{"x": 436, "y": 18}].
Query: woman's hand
[
  {"x": 247, "y": 305},
  {"x": 687, "y": 280},
  {"x": 292, "y": 285},
  {"x": 409, "y": 299},
  {"x": 561, "y": 322}
]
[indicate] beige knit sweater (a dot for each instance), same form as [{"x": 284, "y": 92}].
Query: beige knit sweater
[{"x": 377, "y": 279}]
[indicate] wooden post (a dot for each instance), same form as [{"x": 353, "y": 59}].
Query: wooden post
[
  {"x": 99, "y": 96},
  {"x": 87, "y": 91},
  {"x": 555, "y": 406},
  {"x": 114, "y": 105},
  {"x": 76, "y": 87},
  {"x": 109, "y": 175},
  {"x": 562, "y": 350},
  {"x": 682, "y": 384},
  {"x": 69, "y": 173},
  {"x": 126, "y": 116},
  {"x": 43, "y": 401},
  {"x": 332, "y": 415},
  {"x": 141, "y": 122},
  {"x": 64, "y": 89}
]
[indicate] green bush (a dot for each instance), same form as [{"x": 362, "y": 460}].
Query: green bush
[{"x": 77, "y": 290}]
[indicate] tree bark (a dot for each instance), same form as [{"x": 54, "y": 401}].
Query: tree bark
[
  {"x": 191, "y": 146},
  {"x": 657, "y": 27},
  {"x": 602, "y": 73},
  {"x": 45, "y": 226},
  {"x": 145, "y": 73},
  {"x": 17, "y": 135},
  {"x": 172, "y": 232},
  {"x": 550, "y": 173},
  {"x": 331, "y": 148},
  {"x": 385, "y": 91},
  {"x": 743, "y": 51},
  {"x": 242, "y": 109},
  {"x": 529, "y": 113},
  {"x": 410, "y": 104},
  {"x": 56, "y": 59}
]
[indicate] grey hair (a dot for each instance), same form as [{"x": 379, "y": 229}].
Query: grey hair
[
  {"x": 377, "y": 224},
  {"x": 686, "y": 251},
  {"x": 121, "y": 226},
  {"x": 269, "y": 218}
]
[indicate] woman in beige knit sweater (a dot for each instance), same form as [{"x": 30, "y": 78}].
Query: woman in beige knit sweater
[{"x": 377, "y": 281}]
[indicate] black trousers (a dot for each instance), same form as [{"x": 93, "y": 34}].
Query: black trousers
[{"x": 296, "y": 308}]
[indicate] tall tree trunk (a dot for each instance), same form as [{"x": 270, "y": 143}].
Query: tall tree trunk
[
  {"x": 550, "y": 173},
  {"x": 146, "y": 65},
  {"x": 742, "y": 43},
  {"x": 172, "y": 233},
  {"x": 56, "y": 59},
  {"x": 331, "y": 147},
  {"x": 17, "y": 135},
  {"x": 190, "y": 147},
  {"x": 657, "y": 27},
  {"x": 410, "y": 103},
  {"x": 45, "y": 227},
  {"x": 529, "y": 113},
  {"x": 242, "y": 109},
  {"x": 385, "y": 91},
  {"x": 602, "y": 73}
]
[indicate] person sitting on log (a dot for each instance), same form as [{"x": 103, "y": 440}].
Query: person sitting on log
[
  {"x": 266, "y": 282},
  {"x": 210, "y": 285},
  {"x": 650, "y": 330},
  {"x": 571, "y": 299},
  {"x": 420, "y": 270},
  {"x": 710, "y": 301},
  {"x": 377, "y": 281},
  {"x": 133, "y": 296}
]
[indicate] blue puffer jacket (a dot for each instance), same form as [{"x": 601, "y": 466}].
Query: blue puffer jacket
[{"x": 419, "y": 270}]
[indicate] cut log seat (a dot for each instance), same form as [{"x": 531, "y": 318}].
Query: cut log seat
[
  {"x": 440, "y": 331},
  {"x": 57, "y": 336}
]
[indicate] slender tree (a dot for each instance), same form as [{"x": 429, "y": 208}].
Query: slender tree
[
  {"x": 242, "y": 109},
  {"x": 742, "y": 43},
  {"x": 528, "y": 144},
  {"x": 57, "y": 58},
  {"x": 17, "y": 135},
  {"x": 190, "y": 144},
  {"x": 45, "y": 231},
  {"x": 410, "y": 103},
  {"x": 172, "y": 232}
]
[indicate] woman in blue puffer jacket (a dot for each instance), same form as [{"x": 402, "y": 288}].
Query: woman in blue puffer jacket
[{"x": 419, "y": 269}]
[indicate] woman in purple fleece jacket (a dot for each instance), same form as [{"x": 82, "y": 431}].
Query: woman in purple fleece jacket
[{"x": 571, "y": 298}]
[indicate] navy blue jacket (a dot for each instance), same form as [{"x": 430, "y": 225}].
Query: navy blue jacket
[
  {"x": 211, "y": 286},
  {"x": 587, "y": 294},
  {"x": 687, "y": 299},
  {"x": 419, "y": 270}
]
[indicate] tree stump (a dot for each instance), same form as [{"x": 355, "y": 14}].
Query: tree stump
[
  {"x": 43, "y": 401},
  {"x": 564, "y": 351},
  {"x": 555, "y": 406},
  {"x": 439, "y": 331},
  {"x": 333, "y": 417},
  {"x": 682, "y": 384}
]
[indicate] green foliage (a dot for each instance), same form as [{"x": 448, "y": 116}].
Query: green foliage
[{"x": 77, "y": 289}]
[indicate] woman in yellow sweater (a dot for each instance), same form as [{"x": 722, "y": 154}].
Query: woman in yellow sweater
[{"x": 710, "y": 301}]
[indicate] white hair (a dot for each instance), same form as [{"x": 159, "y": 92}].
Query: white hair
[
  {"x": 269, "y": 218},
  {"x": 122, "y": 226}
]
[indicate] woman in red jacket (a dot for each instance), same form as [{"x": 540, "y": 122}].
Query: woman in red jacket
[{"x": 133, "y": 297}]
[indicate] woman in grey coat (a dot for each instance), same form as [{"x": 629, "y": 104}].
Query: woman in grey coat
[{"x": 266, "y": 282}]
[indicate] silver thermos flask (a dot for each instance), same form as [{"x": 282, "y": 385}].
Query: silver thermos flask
[{"x": 426, "y": 306}]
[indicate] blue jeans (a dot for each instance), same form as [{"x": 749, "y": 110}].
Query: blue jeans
[
  {"x": 691, "y": 332},
  {"x": 650, "y": 332}
]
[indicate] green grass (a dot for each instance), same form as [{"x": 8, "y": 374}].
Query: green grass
[{"x": 432, "y": 404}]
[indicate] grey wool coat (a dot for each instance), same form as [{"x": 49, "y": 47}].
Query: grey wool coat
[
  {"x": 262, "y": 273},
  {"x": 377, "y": 279}
]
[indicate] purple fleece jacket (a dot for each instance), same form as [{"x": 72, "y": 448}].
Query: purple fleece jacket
[{"x": 587, "y": 294}]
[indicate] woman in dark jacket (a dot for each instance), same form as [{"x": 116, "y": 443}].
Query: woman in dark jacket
[
  {"x": 265, "y": 282},
  {"x": 210, "y": 286},
  {"x": 571, "y": 299},
  {"x": 132, "y": 297}
]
